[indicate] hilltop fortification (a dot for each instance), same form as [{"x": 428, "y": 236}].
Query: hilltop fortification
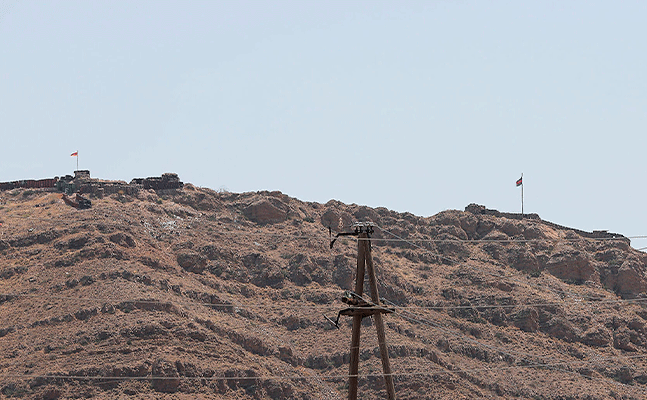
[{"x": 83, "y": 183}]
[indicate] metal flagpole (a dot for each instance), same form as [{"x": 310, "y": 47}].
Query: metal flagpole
[
  {"x": 521, "y": 192},
  {"x": 77, "y": 168}
]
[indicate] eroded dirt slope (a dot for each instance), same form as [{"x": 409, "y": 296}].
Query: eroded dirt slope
[{"x": 199, "y": 294}]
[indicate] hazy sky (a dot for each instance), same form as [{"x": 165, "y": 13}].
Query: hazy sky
[{"x": 416, "y": 106}]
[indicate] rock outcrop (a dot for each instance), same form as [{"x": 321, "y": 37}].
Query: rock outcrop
[{"x": 267, "y": 211}]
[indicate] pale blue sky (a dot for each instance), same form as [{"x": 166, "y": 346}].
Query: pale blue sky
[{"x": 416, "y": 106}]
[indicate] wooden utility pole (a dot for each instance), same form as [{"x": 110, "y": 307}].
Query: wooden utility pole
[{"x": 365, "y": 262}]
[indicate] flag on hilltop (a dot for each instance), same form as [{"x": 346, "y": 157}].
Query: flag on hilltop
[
  {"x": 520, "y": 183},
  {"x": 76, "y": 154}
]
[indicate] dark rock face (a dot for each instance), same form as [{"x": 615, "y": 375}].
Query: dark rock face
[
  {"x": 123, "y": 240},
  {"x": 213, "y": 252},
  {"x": 9, "y": 272},
  {"x": 495, "y": 235},
  {"x": 186, "y": 369},
  {"x": 533, "y": 232},
  {"x": 512, "y": 228},
  {"x": 286, "y": 354},
  {"x": 336, "y": 220},
  {"x": 169, "y": 377},
  {"x": 527, "y": 320},
  {"x": 278, "y": 390},
  {"x": 572, "y": 265},
  {"x": 51, "y": 394},
  {"x": 622, "y": 339},
  {"x": 366, "y": 214},
  {"x": 343, "y": 272},
  {"x": 303, "y": 269},
  {"x": 449, "y": 231},
  {"x": 261, "y": 271},
  {"x": 494, "y": 250},
  {"x": 73, "y": 243},
  {"x": 192, "y": 262},
  {"x": 469, "y": 224},
  {"x": 624, "y": 374},
  {"x": 523, "y": 259},
  {"x": 560, "y": 328},
  {"x": 40, "y": 238},
  {"x": 631, "y": 279},
  {"x": 597, "y": 337},
  {"x": 267, "y": 211}
]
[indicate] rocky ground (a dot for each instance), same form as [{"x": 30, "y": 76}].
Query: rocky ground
[{"x": 198, "y": 294}]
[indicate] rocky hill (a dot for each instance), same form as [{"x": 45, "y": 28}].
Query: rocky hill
[{"x": 190, "y": 293}]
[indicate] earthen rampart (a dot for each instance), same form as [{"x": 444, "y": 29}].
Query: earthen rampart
[{"x": 478, "y": 209}]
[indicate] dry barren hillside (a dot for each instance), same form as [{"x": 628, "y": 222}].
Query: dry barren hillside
[{"x": 191, "y": 293}]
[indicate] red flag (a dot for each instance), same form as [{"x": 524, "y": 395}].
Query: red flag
[
  {"x": 520, "y": 181},
  {"x": 75, "y": 154}
]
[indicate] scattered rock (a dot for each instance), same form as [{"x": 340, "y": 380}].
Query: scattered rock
[
  {"x": 622, "y": 340},
  {"x": 123, "y": 239},
  {"x": 5, "y": 331},
  {"x": 192, "y": 262},
  {"x": 624, "y": 374},
  {"x": 39, "y": 238},
  {"x": 167, "y": 373},
  {"x": 51, "y": 393},
  {"x": 86, "y": 280},
  {"x": 597, "y": 337},
  {"x": 186, "y": 369},
  {"x": 303, "y": 269},
  {"x": 9, "y": 272},
  {"x": 560, "y": 328},
  {"x": 286, "y": 354},
  {"x": 261, "y": 271},
  {"x": 84, "y": 314},
  {"x": 278, "y": 389},
  {"x": 527, "y": 320},
  {"x": 213, "y": 252}
]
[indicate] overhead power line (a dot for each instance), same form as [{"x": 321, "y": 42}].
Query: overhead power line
[
  {"x": 12, "y": 296},
  {"x": 321, "y": 376}
]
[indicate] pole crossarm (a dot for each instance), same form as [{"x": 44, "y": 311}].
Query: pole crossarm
[
  {"x": 359, "y": 228},
  {"x": 359, "y": 306},
  {"x": 366, "y": 311}
]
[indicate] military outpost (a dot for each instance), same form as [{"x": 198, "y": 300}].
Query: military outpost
[{"x": 82, "y": 183}]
